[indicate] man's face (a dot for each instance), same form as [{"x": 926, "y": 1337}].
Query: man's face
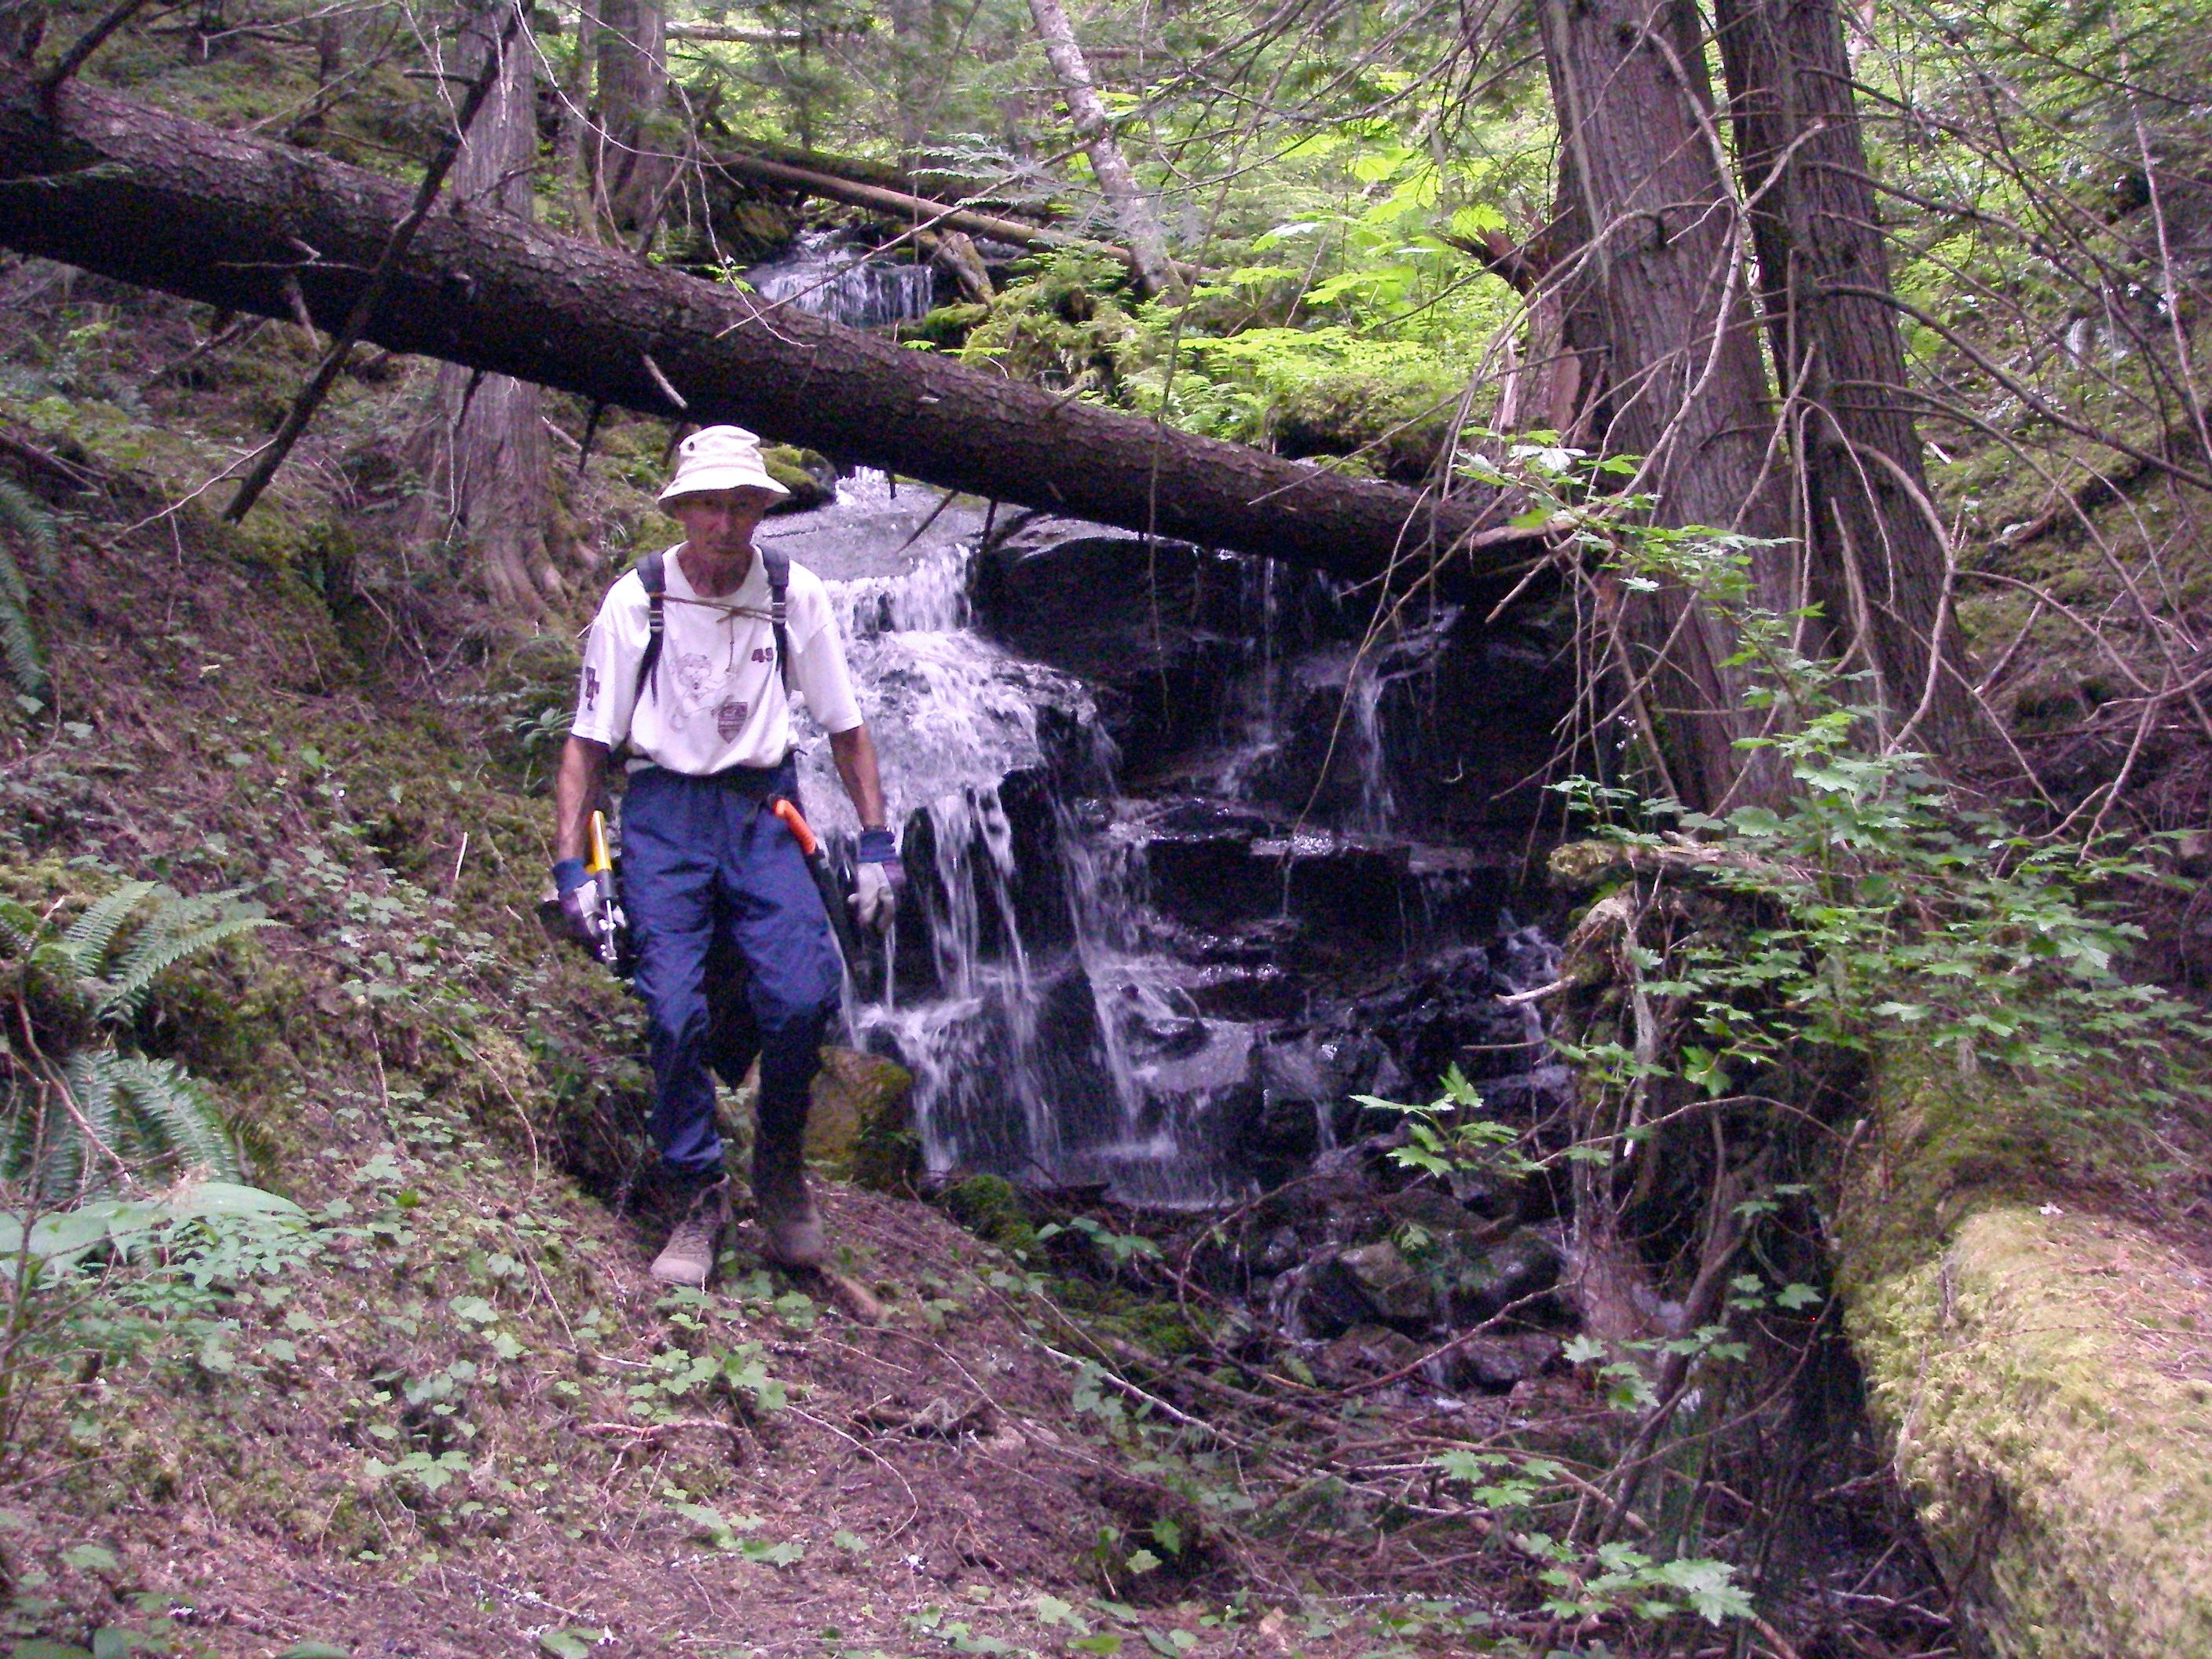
[{"x": 719, "y": 523}]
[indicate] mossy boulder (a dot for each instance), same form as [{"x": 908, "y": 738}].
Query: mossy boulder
[
  {"x": 990, "y": 1207},
  {"x": 1394, "y": 426},
  {"x": 1060, "y": 328},
  {"x": 947, "y": 327},
  {"x": 861, "y": 1108},
  {"x": 2027, "y": 1358},
  {"x": 809, "y": 475}
]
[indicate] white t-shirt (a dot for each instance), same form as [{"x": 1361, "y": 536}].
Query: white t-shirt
[{"x": 716, "y": 699}]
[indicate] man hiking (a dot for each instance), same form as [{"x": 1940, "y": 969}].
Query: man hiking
[{"x": 692, "y": 664}]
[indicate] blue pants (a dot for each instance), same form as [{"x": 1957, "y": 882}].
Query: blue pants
[{"x": 734, "y": 956}]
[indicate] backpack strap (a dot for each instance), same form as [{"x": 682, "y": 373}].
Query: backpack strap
[
  {"x": 777, "y": 565},
  {"x": 652, "y": 571}
]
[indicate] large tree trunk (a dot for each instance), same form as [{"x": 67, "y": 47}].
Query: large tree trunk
[
  {"x": 572, "y": 158},
  {"x": 1684, "y": 384},
  {"x": 154, "y": 199},
  {"x": 1878, "y": 562},
  {"x": 1148, "y": 252},
  {"x": 490, "y": 475},
  {"x": 636, "y": 160}
]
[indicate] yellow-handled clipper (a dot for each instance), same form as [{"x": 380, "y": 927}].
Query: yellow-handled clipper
[{"x": 600, "y": 867}]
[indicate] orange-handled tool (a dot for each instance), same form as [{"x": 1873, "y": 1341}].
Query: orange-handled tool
[
  {"x": 801, "y": 831},
  {"x": 857, "y": 962}
]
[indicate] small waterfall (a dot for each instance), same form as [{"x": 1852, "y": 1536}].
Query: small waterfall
[
  {"x": 827, "y": 276},
  {"x": 1143, "y": 993}
]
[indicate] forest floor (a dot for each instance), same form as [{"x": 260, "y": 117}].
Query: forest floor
[{"x": 452, "y": 1416}]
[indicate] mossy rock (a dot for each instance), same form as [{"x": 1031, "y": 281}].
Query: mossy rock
[
  {"x": 990, "y": 1207},
  {"x": 859, "y": 1101},
  {"x": 947, "y": 328},
  {"x": 2023, "y": 1355},
  {"x": 1397, "y": 427},
  {"x": 1058, "y": 329},
  {"x": 809, "y": 475},
  {"x": 1159, "y": 1328}
]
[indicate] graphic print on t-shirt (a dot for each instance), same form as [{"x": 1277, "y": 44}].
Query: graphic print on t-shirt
[{"x": 703, "y": 693}]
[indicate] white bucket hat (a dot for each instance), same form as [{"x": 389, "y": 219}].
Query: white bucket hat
[{"x": 720, "y": 457}]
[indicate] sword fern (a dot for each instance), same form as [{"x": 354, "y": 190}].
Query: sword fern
[
  {"x": 19, "y": 640},
  {"x": 81, "y": 1110}
]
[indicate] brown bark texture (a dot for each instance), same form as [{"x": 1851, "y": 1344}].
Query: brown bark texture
[
  {"x": 635, "y": 164},
  {"x": 149, "y": 197},
  {"x": 1877, "y": 564},
  {"x": 1684, "y": 380},
  {"x": 490, "y": 480}
]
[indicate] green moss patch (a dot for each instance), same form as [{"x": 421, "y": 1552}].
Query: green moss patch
[{"x": 2037, "y": 1368}]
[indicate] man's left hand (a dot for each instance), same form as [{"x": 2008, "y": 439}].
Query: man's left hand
[{"x": 878, "y": 880}]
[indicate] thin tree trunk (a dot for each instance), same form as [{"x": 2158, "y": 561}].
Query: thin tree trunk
[
  {"x": 146, "y": 196},
  {"x": 917, "y": 46},
  {"x": 571, "y": 165},
  {"x": 1684, "y": 382},
  {"x": 1878, "y": 562},
  {"x": 490, "y": 474},
  {"x": 1156, "y": 272}
]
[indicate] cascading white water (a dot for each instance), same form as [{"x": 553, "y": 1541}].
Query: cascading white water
[
  {"x": 1066, "y": 1024},
  {"x": 824, "y": 275}
]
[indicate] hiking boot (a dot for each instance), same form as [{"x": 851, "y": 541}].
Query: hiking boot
[
  {"x": 790, "y": 1231},
  {"x": 687, "y": 1258}
]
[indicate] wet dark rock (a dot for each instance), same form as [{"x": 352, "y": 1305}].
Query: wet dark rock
[
  {"x": 1261, "y": 992},
  {"x": 1443, "y": 1012},
  {"x": 1288, "y": 1126},
  {"x": 1330, "y": 1301},
  {"x": 1477, "y": 1282},
  {"x": 1494, "y": 1365},
  {"x": 1161, "y": 1036},
  {"x": 1367, "y": 1350},
  {"x": 1393, "y": 1287},
  {"x": 1436, "y": 1214},
  {"x": 1279, "y": 1254},
  {"x": 1156, "y": 650},
  {"x": 1491, "y": 1196}
]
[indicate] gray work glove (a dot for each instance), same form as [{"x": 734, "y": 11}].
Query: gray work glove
[
  {"x": 579, "y": 904},
  {"x": 879, "y": 878}
]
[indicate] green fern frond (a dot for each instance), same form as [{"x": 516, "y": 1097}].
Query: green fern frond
[
  {"x": 19, "y": 928},
  {"x": 80, "y": 1149},
  {"x": 19, "y": 512},
  {"x": 172, "y": 1117},
  {"x": 91, "y": 934},
  {"x": 149, "y": 957},
  {"x": 19, "y": 642},
  {"x": 19, "y": 1113},
  {"x": 131, "y": 1115}
]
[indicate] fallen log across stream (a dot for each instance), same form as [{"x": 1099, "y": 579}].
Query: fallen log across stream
[{"x": 152, "y": 199}]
